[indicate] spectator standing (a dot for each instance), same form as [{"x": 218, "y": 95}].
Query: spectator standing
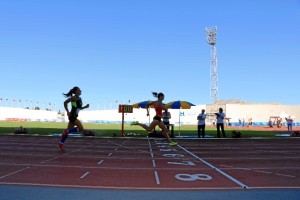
[
  {"x": 220, "y": 122},
  {"x": 201, "y": 123},
  {"x": 270, "y": 123},
  {"x": 289, "y": 122},
  {"x": 166, "y": 118},
  {"x": 249, "y": 122}
]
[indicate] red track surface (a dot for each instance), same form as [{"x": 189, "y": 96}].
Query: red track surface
[{"x": 129, "y": 163}]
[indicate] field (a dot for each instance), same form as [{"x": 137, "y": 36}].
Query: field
[{"x": 108, "y": 130}]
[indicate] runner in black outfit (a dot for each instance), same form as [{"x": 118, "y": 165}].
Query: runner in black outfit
[{"x": 76, "y": 102}]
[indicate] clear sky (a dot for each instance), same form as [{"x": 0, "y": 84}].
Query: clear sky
[{"x": 125, "y": 49}]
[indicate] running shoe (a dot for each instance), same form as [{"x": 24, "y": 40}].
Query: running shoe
[
  {"x": 173, "y": 143},
  {"x": 134, "y": 123},
  {"x": 61, "y": 146}
]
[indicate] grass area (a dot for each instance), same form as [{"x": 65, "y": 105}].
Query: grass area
[{"x": 107, "y": 130}]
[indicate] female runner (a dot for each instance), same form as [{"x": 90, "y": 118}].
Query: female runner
[
  {"x": 159, "y": 107},
  {"x": 74, "y": 97}
]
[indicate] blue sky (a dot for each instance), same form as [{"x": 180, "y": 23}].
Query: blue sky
[{"x": 121, "y": 50}]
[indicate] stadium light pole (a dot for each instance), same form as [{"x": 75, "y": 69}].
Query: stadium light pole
[{"x": 211, "y": 38}]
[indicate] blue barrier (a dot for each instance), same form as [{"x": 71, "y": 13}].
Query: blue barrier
[{"x": 260, "y": 124}]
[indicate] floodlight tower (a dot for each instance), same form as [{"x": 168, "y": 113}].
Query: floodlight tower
[{"x": 211, "y": 38}]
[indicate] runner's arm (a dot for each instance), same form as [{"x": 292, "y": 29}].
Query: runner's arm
[{"x": 66, "y": 104}]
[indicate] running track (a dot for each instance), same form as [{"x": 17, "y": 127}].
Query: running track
[{"x": 250, "y": 168}]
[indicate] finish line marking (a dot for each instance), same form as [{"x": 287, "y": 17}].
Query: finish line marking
[{"x": 215, "y": 168}]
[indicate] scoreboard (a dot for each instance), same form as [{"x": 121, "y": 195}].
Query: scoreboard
[{"x": 125, "y": 109}]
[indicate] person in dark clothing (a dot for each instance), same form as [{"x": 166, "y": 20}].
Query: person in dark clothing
[
  {"x": 220, "y": 122},
  {"x": 74, "y": 124},
  {"x": 201, "y": 123}
]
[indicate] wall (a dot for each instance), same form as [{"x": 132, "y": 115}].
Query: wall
[
  {"x": 185, "y": 116},
  {"x": 20, "y": 114},
  {"x": 261, "y": 112},
  {"x": 258, "y": 113}
]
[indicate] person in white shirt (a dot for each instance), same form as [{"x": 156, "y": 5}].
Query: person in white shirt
[
  {"x": 201, "y": 123},
  {"x": 220, "y": 122},
  {"x": 289, "y": 122}
]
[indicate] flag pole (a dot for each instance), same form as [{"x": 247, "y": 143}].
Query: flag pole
[{"x": 179, "y": 122}]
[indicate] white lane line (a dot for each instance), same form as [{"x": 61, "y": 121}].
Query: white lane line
[
  {"x": 285, "y": 175},
  {"x": 101, "y": 161},
  {"x": 136, "y": 188},
  {"x": 94, "y": 167},
  {"x": 226, "y": 166},
  {"x": 162, "y": 143},
  {"x": 153, "y": 163},
  {"x": 129, "y": 148},
  {"x": 150, "y": 147},
  {"x": 231, "y": 167},
  {"x": 109, "y": 154},
  {"x": 14, "y": 172},
  {"x": 49, "y": 160},
  {"x": 76, "y": 150},
  {"x": 260, "y": 171},
  {"x": 215, "y": 168},
  {"x": 84, "y": 175},
  {"x": 116, "y": 149},
  {"x": 156, "y": 177},
  {"x": 163, "y": 146},
  {"x": 264, "y": 172}
]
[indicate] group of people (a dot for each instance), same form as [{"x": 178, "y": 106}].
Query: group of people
[
  {"x": 220, "y": 116},
  {"x": 74, "y": 125},
  {"x": 278, "y": 123}
]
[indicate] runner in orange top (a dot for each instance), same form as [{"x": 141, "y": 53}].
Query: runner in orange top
[{"x": 159, "y": 107}]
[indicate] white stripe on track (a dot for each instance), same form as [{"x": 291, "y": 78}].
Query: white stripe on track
[
  {"x": 153, "y": 163},
  {"x": 157, "y": 178},
  {"x": 14, "y": 172},
  {"x": 49, "y": 160},
  {"x": 285, "y": 175},
  {"x": 100, "y": 162},
  {"x": 135, "y": 188},
  {"x": 84, "y": 175},
  {"x": 215, "y": 168}
]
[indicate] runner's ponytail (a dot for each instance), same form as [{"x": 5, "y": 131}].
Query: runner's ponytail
[
  {"x": 71, "y": 92},
  {"x": 155, "y": 94}
]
